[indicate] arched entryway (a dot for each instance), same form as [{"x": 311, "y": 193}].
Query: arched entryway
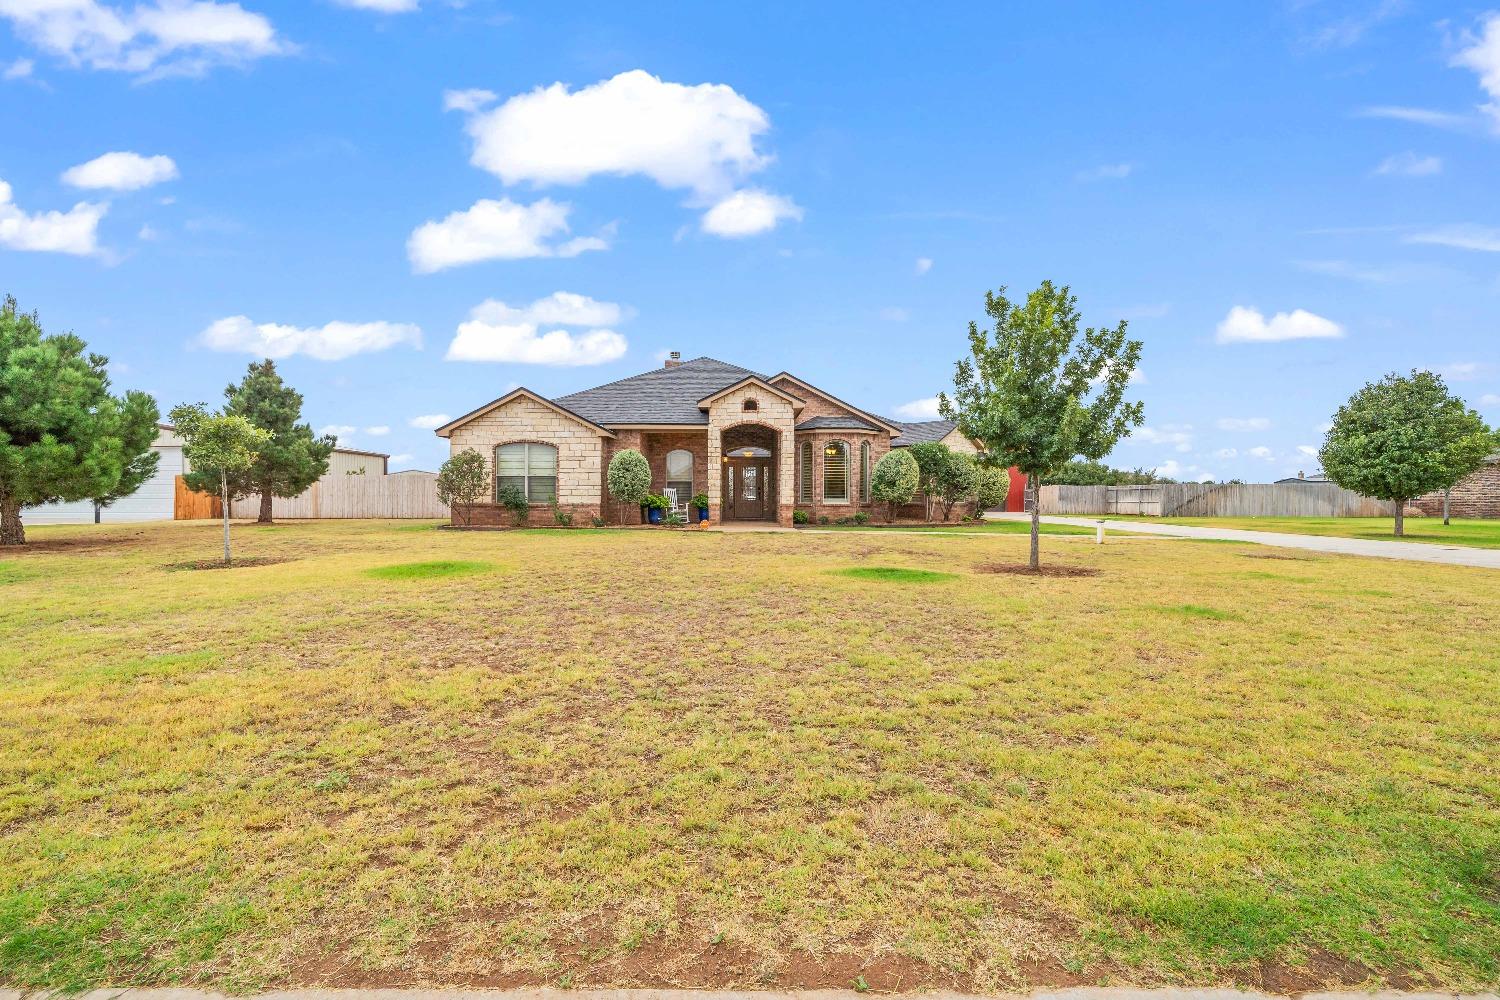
[{"x": 748, "y": 473}]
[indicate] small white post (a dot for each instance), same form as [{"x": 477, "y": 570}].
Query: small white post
[{"x": 1099, "y": 532}]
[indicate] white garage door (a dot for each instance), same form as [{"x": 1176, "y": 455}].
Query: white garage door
[{"x": 152, "y": 502}]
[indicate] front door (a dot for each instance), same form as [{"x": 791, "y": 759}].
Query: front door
[{"x": 747, "y": 489}]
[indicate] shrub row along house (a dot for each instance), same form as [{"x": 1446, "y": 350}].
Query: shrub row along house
[{"x": 759, "y": 446}]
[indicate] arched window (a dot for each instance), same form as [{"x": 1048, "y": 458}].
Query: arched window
[
  {"x": 531, "y": 468},
  {"x": 836, "y": 472},
  {"x": 864, "y": 471},
  {"x": 805, "y": 474},
  {"x": 751, "y": 405},
  {"x": 680, "y": 474}
]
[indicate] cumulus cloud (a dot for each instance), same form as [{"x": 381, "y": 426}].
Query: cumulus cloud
[
  {"x": 1245, "y": 324},
  {"x": 924, "y": 264},
  {"x": 330, "y": 342},
  {"x": 380, "y": 430},
  {"x": 748, "y": 213},
  {"x": 1482, "y": 55},
  {"x": 1106, "y": 172},
  {"x": 1463, "y": 236},
  {"x": 919, "y": 409},
  {"x": 1308, "y": 450},
  {"x": 1173, "y": 469},
  {"x": 18, "y": 70},
  {"x": 1178, "y": 436},
  {"x": 1465, "y": 371},
  {"x": 121, "y": 172},
  {"x": 1243, "y": 423},
  {"x": 496, "y": 331},
  {"x": 1226, "y": 453},
  {"x": 1409, "y": 164},
  {"x": 1261, "y": 452},
  {"x": 75, "y": 231},
  {"x": 336, "y": 431},
  {"x": 166, "y": 37},
  {"x": 468, "y": 101},
  {"x": 429, "y": 421},
  {"x": 381, "y": 6},
  {"x": 1490, "y": 399},
  {"x": 496, "y": 230}
]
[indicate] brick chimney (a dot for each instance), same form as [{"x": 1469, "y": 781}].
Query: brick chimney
[{"x": 674, "y": 359}]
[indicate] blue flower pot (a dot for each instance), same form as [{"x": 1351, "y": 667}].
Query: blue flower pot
[
  {"x": 654, "y": 515},
  {"x": 703, "y": 513}
]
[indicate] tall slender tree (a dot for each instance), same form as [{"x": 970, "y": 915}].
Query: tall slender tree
[
  {"x": 291, "y": 460},
  {"x": 62, "y": 435},
  {"x": 1040, "y": 393},
  {"x": 222, "y": 445}
]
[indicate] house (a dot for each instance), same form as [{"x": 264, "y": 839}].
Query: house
[
  {"x": 1476, "y": 495},
  {"x": 759, "y": 446},
  {"x": 1300, "y": 479},
  {"x": 162, "y": 498}
]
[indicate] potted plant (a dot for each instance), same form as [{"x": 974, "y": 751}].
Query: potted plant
[
  {"x": 656, "y": 507},
  {"x": 700, "y": 504}
]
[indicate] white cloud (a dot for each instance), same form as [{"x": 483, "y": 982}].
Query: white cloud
[
  {"x": 340, "y": 431},
  {"x": 1245, "y": 324},
  {"x": 1483, "y": 57},
  {"x": 1465, "y": 371},
  {"x": 1243, "y": 423},
  {"x": 429, "y": 421},
  {"x": 894, "y": 314},
  {"x": 1179, "y": 436},
  {"x": 1360, "y": 272},
  {"x": 381, "y": 6},
  {"x": 468, "y": 101},
  {"x": 1226, "y": 453},
  {"x": 1262, "y": 452},
  {"x": 700, "y": 138},
  {"x": 496, "y": 230},
  {"x": 495, "y": 331},
  {"x": 1173, "y": 469},
  {"x": 1308, "y": 450},
  {"x": 1420, "y": 116},
  {"x": 380, "y": 430},
  {"x": 1106, "y": 172},
  {"x": 749, "y": 212},
  {"x": 403, "y": 457},
  {"x": 147, "y": 233},
  {"x": 924, "y": 264},
  {"x": 165, "y": 37},
  {"x": 1409, "y": 164},
  {"x": 18, "y": 70},
  {"x": 121, "y": 172},
  {"x": 1490, "y": 399},
  {"x": 1463, "y": 236},
  {"x": 919, "y": 409},
  {"x": 330, "y": 342},
  {"x": 75, "y": 231}
]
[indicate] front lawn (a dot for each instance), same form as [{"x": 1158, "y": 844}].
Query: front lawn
[
  {"x": 985, "y": 527},
  {"x": 1463, "y": 531},
  {"x": 392, "y": 756}
]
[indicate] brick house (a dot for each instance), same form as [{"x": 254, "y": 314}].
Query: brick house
[
  {"x": 759, "y": 446},
  {"x": 1476, "y": 495}
]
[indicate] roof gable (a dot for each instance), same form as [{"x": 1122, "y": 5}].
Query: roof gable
[
  {"x": 660, "y": 396},
  {"x": 807, "y": 387},
  {"x": 521, "y": 392},
  {"x": 752, "y": 380}
]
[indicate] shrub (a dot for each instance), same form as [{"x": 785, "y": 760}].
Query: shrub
[
  {"x": 656, "y": 501},
  {"x": 700, "y": 501},
  {"x": 992, "y": 488},
  {"x": 895, "y": 479},
  {"x": 597, "y": 521},
  {"x": 675, "y": 520},
  {"x": 560, "y": 516},
  {"x": 513, "y": 500},
  {"x": 861, "y": 518},
  {"x": 955, "y": 479},
  {"x": 799, "y": 517},
  {"x": 823, "y": 519},
  {"x": 629, "y": 479},
  {"x": 461, "y": 482}
]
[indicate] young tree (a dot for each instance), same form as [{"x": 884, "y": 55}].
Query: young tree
[
  {"x": 1402, "y": 437},
  {"x": 629, "y": 479},
  {"x": 62, "y": 435},
  {"x": 957, "y": 479},
  {"x": 292, "y": 459},
  {"x": 932, "y": 457},
  {"x": 462, "y": 482},
  {"x": 894, "y": 479},
  {"x": 1041, "y": 393},
  {"x": 219, "y": 445}
]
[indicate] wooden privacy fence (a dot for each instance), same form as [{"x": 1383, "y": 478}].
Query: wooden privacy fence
[
  {"x": 410, "y": 494},
  {"x": 189, "y": 505},
  {"x": 1211, "y": 500}
]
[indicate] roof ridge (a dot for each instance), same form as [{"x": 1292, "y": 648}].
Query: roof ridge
[{"x": 655, "y": 372}]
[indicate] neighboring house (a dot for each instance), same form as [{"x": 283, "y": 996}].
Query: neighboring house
[
  {"x": 1476, "y": 495},
  {"x": 759, "y": 446},
  {"x": 160, "y": 499},
  {"x": 1316, "y": 479}
]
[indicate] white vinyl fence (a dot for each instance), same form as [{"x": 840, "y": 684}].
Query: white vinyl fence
[
  {"x": 1211, "y": 500},
  {"x": 409, "y": 494}
]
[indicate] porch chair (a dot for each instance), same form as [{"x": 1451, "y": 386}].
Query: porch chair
[{"x": 678, "y": 506}]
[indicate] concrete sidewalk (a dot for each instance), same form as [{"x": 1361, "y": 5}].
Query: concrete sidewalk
[
  {"x": 1090, "y": 993},
  {"x": 1453, "y": 555}
]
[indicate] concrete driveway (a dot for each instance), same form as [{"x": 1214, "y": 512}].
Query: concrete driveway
[{"x": 1453, "y": 555}]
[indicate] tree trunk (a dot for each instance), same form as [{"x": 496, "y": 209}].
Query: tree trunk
[
  {"x": 1036, "y": 524},
  {"x": 1400, "y": 518},
  {"x": 98, "y": 512},
  {"x": 12, "y": 531},
  {"x": 265, "y": 508},
  {"x": 1447, "y": 498},
  {"x": 224, "y": 495}
]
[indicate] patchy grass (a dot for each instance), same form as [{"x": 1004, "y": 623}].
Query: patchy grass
[
  {"x": 1199, "y": 611},
  {"x": 893, "y": 574},
  {"x": 1463, "y": 531},
  {"x": 681, "y": 758},
  {"x": 427, "y": 570},
  {"x": 981, "y": 527}
]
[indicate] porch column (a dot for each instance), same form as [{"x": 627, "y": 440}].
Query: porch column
[
  {"x": 715, "y": 473},
  {"x": 786, "y": 476}
]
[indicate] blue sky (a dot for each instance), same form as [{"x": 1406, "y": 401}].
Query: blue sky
[{"x": 418, "y": 204}]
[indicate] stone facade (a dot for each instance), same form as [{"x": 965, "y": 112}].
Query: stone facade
[
  {"x": 769, "y": 411},
  {"x": 579, "y": 448},
  {"x": 1478, "y": 495}
]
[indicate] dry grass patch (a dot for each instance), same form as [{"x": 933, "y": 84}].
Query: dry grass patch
[{"x": 672, "y": 758}]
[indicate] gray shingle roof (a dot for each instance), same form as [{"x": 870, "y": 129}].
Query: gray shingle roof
[
  {"x": 836, "y": 423},
  {"x": 660, "y": 396},
  {"x": 921, "y": 432}
]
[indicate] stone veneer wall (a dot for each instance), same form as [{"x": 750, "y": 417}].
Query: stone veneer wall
[
  {"x": 774, "y": 413},
  {"x": 1478, "y": 495},
  {"x": 579, "y": 453}
]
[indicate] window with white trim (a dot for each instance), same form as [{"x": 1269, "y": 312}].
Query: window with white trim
[
  {"x": 530, "y": 467},
  {"x": 805, "y": 474},
  {"x": 680, "y": 474},
  {"x": 836, "y": 472},
  {"x": 864, "y": 471}
]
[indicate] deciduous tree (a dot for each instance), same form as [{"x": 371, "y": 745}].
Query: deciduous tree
[
  {"x": 1036, "y": 392},
  {"x": 895, "y": 479},
  {"x": 629, "y": 479},
  {"x": 462, "y": 482},
  {"x": 957, "y": 480},
  {"x": 225, "y": 443}
]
